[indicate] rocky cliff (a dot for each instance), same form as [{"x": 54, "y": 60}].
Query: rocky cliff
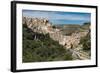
[{"x": 37, "y": 24}]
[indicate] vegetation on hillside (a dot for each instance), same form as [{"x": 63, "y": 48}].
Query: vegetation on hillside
[
  {"x": 38, "y": 47},
  {"x": 86, "y": 42}
]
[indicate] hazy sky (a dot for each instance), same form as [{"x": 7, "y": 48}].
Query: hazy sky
[{"x": 57, "y": 17}]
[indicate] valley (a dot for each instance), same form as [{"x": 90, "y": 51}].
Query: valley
[{"x": 74, "y": 39}]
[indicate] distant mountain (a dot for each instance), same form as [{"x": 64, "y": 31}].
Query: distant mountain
[{"x": 68, "y": 29}]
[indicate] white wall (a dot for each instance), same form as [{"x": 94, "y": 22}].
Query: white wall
[{"x": 5, "y": 37}]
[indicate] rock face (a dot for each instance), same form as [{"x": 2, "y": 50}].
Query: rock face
[
  {"x": 37, "y": 25},
  {"x": 44, "y": 26}
]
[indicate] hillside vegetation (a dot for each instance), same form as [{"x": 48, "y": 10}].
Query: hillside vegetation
[
  {"x": 86, "y": 42},
  {"x": 40, "y": 47}
]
